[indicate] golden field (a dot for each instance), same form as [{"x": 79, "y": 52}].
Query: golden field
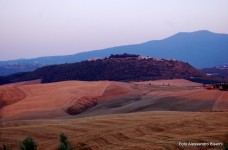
[
  {"x": 114, "y": 115},
  {"x": 133, "y": 131}
]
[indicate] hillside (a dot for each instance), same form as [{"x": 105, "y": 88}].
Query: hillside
[
  {"x": 56, "y": 100},
  {"x": 202, "y": 49},
  {"x": 113, "y": 115},
  {"x": 14, "y": 68},
  {"x": 124, "y": 67},
  {"x": 31, "y": 100}
]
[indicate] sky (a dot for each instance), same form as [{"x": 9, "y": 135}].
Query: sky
[{"x": 35, "y": 28}]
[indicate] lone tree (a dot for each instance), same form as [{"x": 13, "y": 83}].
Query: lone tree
[
  {"x": 28, "y": 144},
  {"x": 64, "y": 144}
]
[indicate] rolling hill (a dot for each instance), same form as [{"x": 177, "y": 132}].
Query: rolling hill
[
  {"x": 113, "y": 115},
  {"x": 201, "y": 49},
  {"x": 84, "y": 99},
  {"x": 125, "y": 67}
]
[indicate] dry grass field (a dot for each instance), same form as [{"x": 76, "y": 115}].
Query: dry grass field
[
  {"x": 51, "y": 100},
  {"x": 114, "y": 115},
  {"x": 133, "y": 131}
]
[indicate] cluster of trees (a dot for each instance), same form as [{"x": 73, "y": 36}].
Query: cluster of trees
[
  {"x": 125, "y": 55},
  {"x": 13, "y": 78},
  {"x": 30, "y": 144}
]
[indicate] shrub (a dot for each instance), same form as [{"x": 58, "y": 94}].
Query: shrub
[
  {"x": 225, "y": 146},
  {"x": 5, "y": 147},
  {"x": 64, "y": 144},
  {"x": 28, "y": 144}
]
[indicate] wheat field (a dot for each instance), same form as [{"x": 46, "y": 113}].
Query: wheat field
[
  {"x": 127, "y": 116},
  {"x": 133, "y": 131}
]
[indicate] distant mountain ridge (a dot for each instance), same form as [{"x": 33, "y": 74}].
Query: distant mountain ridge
[
  {"x": 202, "y": 49},
  {"x": 220, "y": 71},
  {"x": 125, "y": 67}
]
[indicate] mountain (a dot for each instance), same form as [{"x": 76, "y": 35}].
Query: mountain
[
  {"x": 202, "y": 49},
  {"x": 14, "y": 68},
  {"x": 219, "y": 71},
  {"x": 125, "y": 67}
]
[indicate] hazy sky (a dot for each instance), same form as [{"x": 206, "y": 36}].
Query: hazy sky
[{"x": 33, "y": 28}]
